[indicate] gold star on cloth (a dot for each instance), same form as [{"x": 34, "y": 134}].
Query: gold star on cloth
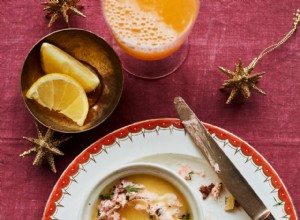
[
  {"x": 56, "y": 8},
  {"x": 242, "y": 81},
  {"x": 45, "y": 148}
]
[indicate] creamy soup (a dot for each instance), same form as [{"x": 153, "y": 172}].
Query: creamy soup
[{"x": 141, "y": 197}]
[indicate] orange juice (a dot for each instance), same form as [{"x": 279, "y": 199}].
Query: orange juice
[{"x": 150, "y": 29}]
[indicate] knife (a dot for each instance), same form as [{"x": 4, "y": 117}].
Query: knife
[{"x": 225, "y": 169}]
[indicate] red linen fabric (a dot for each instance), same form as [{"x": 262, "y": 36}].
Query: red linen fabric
[{"x": 225, "y": 31}]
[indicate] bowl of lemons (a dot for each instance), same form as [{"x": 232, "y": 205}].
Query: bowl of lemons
[{"x": 71, "y": 80}]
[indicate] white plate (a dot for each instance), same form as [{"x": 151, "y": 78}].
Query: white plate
[{"x": 164, "y": 141}]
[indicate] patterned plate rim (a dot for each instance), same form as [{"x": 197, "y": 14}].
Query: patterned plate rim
[{"x": 151, "y": 124}]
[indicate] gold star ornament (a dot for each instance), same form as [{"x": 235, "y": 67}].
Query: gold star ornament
[
  {"x": 241, "y": 81},
  {"x": 45, "y": 147},
  {"x": 56, "y": 8}
]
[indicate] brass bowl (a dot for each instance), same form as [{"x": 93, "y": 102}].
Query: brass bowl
[{"x": 94, "y": 52}]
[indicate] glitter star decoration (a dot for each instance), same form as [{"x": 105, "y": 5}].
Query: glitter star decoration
[
  {"x": 45, "y": 147},
  {"x": 241, "y": 81},
  {"x": 56, "y": 8}
]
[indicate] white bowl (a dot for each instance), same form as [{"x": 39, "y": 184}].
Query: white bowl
[{"x": 162, "y": 172}]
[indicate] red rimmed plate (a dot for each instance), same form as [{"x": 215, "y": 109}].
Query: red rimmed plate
[{"x": 165, "y": 142}]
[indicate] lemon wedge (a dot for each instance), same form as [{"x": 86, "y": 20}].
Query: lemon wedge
[
  {"x": 61, "y": 93},
  {"x": 55, "y": 60}
]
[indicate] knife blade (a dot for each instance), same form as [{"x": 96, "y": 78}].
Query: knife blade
[{"x": 225, "y": 169}]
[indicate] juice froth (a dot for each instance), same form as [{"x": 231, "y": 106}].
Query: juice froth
[{"x": 150, "y": 29}]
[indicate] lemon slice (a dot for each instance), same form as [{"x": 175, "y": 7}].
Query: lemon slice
[
  {"x": 55, "y": 60},
  {"x": 61, "y": 93}
]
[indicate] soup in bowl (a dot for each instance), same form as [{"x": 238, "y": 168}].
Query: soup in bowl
[{"x": 142, "y": 191}]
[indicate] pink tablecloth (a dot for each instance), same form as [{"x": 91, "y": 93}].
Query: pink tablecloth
[{"x": 225, "y": 30}]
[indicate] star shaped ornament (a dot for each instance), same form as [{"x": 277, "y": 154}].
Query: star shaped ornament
[
  {"x": 45, "y": 147},
  {"x": 241, "y": 81},
  {"x": 56, "y": 8}
]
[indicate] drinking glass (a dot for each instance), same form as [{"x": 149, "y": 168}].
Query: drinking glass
[{"x": 151, "y": 36}]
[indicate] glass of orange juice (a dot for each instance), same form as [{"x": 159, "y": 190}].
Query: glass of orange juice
[{"x": 151, "y": 34}]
